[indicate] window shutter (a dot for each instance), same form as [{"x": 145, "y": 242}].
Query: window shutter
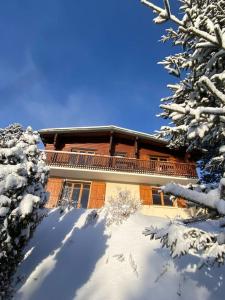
[
  {"x": 146, "y": 194},
  {"x": 97, "y": 196},
  {"x": 54, "y": 188}
]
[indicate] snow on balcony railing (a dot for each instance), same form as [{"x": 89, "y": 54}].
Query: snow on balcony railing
[{"x": 121, "y": 164}]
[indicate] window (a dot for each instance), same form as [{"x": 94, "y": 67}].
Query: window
[
  {"x": 121, "y": 154},
  {"x": 76, "y": 194},
  {"x": 159, "y": 198},
  {"x": 156, "y": 196},
  {"x": 152, "y": 195},
  {"x": 167, "y": 201},
  {"x": 158, "y": 158},
  {"x": 83, "y": 150}
]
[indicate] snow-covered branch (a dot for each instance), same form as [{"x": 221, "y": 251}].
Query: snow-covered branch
[
  {"x": 182, "y": 239},
  {"x": 174, "y": 107},
  {"x": 194, "y": 112},
  {"x": 216, "y": 40},
  {"x": 202, "y": 34},
  {"x": 205, "y": 80},
  {"x": 210, "y": 200},
  {"x": 23, "y": 175},
  {"x": 196, "y": 109},
  {"x": 163, "y": 13}
]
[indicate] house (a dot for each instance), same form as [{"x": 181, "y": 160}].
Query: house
[{"x": 88, "y": 165}]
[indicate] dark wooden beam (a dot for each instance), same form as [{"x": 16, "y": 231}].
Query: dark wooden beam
[
  {"x": 111, "y": 144},
  {"x": 136, "y": 150},
  {"x": 55, "y": 140}
]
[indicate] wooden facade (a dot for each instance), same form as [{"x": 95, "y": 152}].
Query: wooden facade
[{"x": 113, "y": 150}]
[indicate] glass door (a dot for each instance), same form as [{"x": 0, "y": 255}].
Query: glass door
[
  {"x": 85, "y": 196},
  {"x": 76, "y": 194}
]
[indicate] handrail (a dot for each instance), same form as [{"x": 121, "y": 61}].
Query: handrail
[
  {"x": 116, "y": 163},
  {"x": 71, "y": 152}
]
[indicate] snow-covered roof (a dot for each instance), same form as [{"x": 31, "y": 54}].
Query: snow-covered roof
[{"x": 103, "y": 128}]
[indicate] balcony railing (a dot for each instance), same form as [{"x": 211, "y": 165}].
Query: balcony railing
[{"x": 121, "y": 164}]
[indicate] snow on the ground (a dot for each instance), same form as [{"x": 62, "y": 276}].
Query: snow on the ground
[{"x": 72, "y": 258}]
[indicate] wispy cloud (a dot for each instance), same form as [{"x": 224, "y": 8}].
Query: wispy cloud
[
  {"x": 27, "y": 99},
  {"x": 79, "y": 108}
]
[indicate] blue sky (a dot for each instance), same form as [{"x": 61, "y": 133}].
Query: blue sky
[{"x": 81, "y": 63}]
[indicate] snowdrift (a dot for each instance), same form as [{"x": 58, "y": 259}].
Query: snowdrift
[{"x": 75, "y": 256}]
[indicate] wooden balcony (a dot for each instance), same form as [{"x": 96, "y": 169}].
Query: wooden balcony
[{"x": 119, "y": 164}]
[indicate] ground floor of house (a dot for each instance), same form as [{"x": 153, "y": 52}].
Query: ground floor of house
[{"x": 94, "y": 194}]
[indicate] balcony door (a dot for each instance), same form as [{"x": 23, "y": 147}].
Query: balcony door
[
  {"x": 76, "y": 194},
  {"x": 161, "y": 164},
  {"x": 82, "y": 156},
  {"x": 120, "y": 163}
]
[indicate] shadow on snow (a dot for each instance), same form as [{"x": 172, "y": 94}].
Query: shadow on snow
[{"x": 58, "y": 266}]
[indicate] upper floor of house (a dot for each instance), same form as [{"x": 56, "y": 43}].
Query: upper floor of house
[{"x": 114, "y": 148}]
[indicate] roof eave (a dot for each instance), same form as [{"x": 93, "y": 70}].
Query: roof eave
[{"x": 103, "y": 128}]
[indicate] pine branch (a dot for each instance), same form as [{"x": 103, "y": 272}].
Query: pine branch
[
  {"x": 219, "y": 35},
  {"x": 202, "y": 34},
  {"x": 196, "y": 197},
  {"x": 194, "y": 112},
  {"x": 205, "y": 80},
  {"x": 202, "y": 218},
  {"x": 167, "y": 8},
  {"x": 199, "y": 33},
  {"x": 162, "y": 12}
]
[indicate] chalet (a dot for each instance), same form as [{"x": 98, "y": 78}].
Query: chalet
[{"x": 88, "y": 165}]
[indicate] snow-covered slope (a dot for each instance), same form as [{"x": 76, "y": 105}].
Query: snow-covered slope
[{"x": 72, "y": 258}]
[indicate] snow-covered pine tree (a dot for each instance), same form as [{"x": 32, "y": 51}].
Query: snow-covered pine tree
[
  {"x": 23, "y": 175},
  {"x": 196, "y": 108}
]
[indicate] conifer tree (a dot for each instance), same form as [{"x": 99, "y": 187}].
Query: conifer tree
[
  {"x": 23, "y": 175},
  {"x": 196, "y": 109}
]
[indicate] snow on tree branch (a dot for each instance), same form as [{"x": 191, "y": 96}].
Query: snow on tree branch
[
  {"x": 165, "y": 14},
  {"x": 23, "y": 175},
  {"x": 194, "y": 112},
  {"x": 183, "y": 240},
  {"x": 212, "y": 88},
  {"x": 196, "y": 109},
  {"x": 210, "y": 200}
]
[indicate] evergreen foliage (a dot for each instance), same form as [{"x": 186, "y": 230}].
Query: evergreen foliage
[
  {"x": 23, "y": 175},
  {"x": 196, "y": 109}
]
